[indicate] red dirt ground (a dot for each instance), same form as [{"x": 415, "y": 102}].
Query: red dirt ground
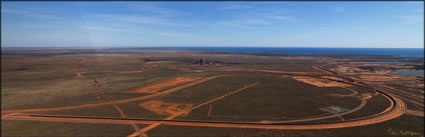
[{"x": 162, "y": 108}]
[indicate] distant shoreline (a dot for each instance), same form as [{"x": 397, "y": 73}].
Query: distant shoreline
[{"x": 307, "y": 51}]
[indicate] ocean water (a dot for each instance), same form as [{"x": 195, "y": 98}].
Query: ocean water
[{"x": 405, "y": 52}]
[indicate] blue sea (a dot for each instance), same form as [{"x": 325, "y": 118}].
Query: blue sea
[{"x": 404, "y": 52}]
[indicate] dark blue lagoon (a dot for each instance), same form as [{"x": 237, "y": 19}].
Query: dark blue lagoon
[{"x": 410, "y": 73}]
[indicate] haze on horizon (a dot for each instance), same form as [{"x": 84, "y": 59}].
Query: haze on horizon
[{"x": 236, "y": 24}]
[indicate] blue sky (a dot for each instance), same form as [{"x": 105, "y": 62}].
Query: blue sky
[{"x": 245, "y": 24}]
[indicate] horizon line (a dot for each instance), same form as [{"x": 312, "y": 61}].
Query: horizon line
[{"x": 94, "y": 47}]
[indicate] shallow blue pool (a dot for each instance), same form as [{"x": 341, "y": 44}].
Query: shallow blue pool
[{"x": 410, "y": 73}]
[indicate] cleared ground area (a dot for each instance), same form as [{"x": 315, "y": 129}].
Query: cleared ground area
[{"x": 108, "y": 92}]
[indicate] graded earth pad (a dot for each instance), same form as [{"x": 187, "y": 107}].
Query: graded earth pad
[
  {"x": 333, "y": 78},
  {"x": 162, "y": 108},
  {"x": 320, "y": 82}
]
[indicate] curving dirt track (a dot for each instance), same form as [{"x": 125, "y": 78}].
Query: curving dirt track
[
  {"x": 100, "y": 89},
  {"x": 396, "y": 109},
  {"x": 415, "y": 113},
  {"x": 318, "y": 68}
]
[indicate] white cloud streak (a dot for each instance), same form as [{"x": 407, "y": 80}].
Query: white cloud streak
[
  {"x": 412, "y": 19},
  {"x": 138, "y": 19},
  {"x": 30, "y": 13},
  {"x": 339, "y": 9},
  {"x": 157, "y": 10},
  {"x": 175, "y": 34},
  {"x": 282, "y": 18},
  {"x": 234, "y": 7}
]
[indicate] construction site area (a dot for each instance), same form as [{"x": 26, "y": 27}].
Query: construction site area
[{"x": 152, "y": 92}]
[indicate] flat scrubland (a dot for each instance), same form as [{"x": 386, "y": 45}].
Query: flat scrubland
[{"x": 91, "y": 92}]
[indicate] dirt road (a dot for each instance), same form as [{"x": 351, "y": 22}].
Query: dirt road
[
  {"x": 397, "y": 111},
  {"x": 117, "y": 101}
]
